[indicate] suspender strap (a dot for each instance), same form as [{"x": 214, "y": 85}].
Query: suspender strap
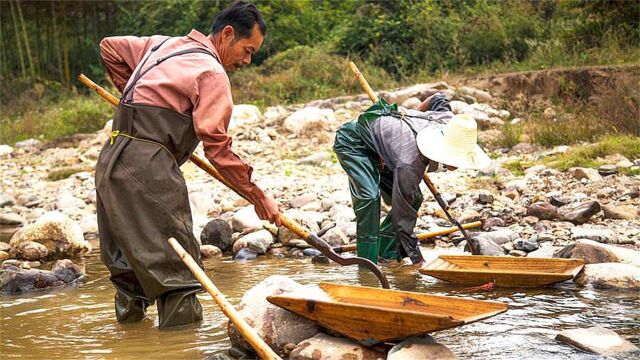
[{"x": 127, "y": 95}]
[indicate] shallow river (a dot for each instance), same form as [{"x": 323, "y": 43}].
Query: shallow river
[{"x": 80, "y": 323}]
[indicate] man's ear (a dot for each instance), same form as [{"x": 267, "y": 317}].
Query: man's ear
[{"x": 228, "y": 33}]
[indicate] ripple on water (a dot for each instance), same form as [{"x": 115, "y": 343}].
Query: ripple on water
[{"x": 73, "y": 321}]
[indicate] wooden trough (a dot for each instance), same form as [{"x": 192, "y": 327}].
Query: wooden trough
[
  {"x": 505, "y": 271},
  {"x": 371, "y": 315}
]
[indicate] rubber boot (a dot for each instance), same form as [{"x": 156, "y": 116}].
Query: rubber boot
[
  {"x": 129, "y": 309},
  {"x": 367, "y": 247},
  {"x": 387, "y": 245},
  {"x": 179, "y": 308}
]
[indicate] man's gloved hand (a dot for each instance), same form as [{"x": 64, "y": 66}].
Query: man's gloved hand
[{"x": 267, "y": 209}]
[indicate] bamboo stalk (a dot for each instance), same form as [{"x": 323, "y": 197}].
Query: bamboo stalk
[
  {"x": 26, "y": 40},
  {"x": 249, "y": 333},
  {"x": 23, "y": 68}
]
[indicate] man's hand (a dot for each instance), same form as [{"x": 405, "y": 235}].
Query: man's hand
[{"x": 267, "y": 209}]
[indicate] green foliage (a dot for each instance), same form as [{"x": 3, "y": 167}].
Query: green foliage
[{"x": 588, "y": 155}]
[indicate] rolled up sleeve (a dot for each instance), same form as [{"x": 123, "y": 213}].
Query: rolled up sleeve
[{"x": 211, "y": 113}]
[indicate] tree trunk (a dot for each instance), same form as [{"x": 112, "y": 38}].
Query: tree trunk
[
  {"x": 32, "y": 68},
  {"x": 56, "y": 43},
  {"x": 23, "y": 68},
  {"x": 65, "y": 47}
]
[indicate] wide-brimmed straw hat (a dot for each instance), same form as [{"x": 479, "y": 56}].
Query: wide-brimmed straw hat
[{"x": 456, "y": 144}]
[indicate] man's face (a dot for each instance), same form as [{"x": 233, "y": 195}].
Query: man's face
[{"x": 236, "y": 53}]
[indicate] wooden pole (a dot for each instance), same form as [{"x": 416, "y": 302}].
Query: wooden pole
[
  {"x": 249, "y": 333},
  {"x": 363, "y": 82},
  {"x": 421, "y": 237}
]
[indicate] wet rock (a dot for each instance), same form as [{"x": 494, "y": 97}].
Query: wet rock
[
  {"x": 311, "y": 252},
  {"x": 309, "y": 119},
  {"x": 18, "y": 281},
  {"x": 586, "y": 173},
  {"x": 209, "y": 251},
  {"x": 217, "y": 232},
  {"x": 303, "y": 200},
  {"x": 610, "y": 275},
  {"x": 11, "y": 219},
  {"x": 326, "y": 347},
  {"x": 517, "y": 253},
  {"x": 246, "y": 219},
  {"x": 276, "y": 326},
  {"x": 245, "y": 254},
  {"x": 597, "y": 340},
  {"x": 28, "y": 250},
  {"x": 543, "y": 211},
  {"x": 67, "y": 271},
  {"x": 528, "y": 245},
  {"x": 580, "y": 213},
  {"x": 60, "y": 235},
  {"x": 6, "y": 200},
  {"x": 595, "y": 253},
  {"x": 420, "y": 348},
  {"x": 596, "y": 234},
  {"x": 336, "y": 237},
  {"x": 258, "y": 241},
  {"x": 621, "y": 212},
  {"x": 320, "y": 259}
]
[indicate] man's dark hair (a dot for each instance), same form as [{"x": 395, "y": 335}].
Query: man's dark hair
[{"x": 242, "y": 16}]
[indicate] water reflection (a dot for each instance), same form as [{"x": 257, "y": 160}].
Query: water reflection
[{"x": 80, "y": 323}]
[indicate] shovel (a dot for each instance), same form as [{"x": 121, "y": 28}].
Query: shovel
[
  {"x": 310, "y": 238},
  {"x": 436, "y": 194}
]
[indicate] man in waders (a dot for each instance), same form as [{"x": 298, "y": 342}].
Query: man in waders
[
  {"x": 175, "y": 92},
  {"x": 385, "y": 152}
]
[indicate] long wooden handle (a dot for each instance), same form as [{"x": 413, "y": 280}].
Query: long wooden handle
[
  {"x": 421, "y": 237},
  {"x": 249, "y": 333},
  {"x": 363, "y": 82}
]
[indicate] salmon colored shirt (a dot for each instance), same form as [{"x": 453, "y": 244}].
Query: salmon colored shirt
[{"x": 194, "y": 84}]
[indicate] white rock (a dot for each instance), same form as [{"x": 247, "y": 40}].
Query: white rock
[
  {"x": 66, "y": 201},
  {"x": 244, "y": 114},
  {"x": 303, "y": 200},
  {"x": 610, "y": 275},
  {"x": 5, "y": 151},
  {"x": 246, "y": 219},
  {"x": 209, "y": 251},
  {"x": 275, "y": 113},
  {"x": 597, "y": 340},
  {"x": 309, "y": 119},
  {"x": 258, "y": 241},
  {"x": 59, "y": 234},
  {"x": 89, "y": 224},
  {"x": 606, "y": 236},
  {"x": 276, "y": 326},
  {"x": 412, "y": 103},
  {"x": 28, "y": 144},
  {"x": 586, "y": 173},
  {"x": 459, "y": 107},
  {"x": 325, "y": 347}
]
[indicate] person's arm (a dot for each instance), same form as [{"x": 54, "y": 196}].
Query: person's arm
[
  {"x": 121, "y": 54},
  {"x": 436, "y": 102},
  {"x": 211, "y": 113}
]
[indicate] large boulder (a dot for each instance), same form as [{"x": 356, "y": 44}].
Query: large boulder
[
  {"x": 246, "y": 219},
  {"x": 258, "y": 241},
  {"x": 325, "y": 347},
  {"x": 217, "y": 232},
  {"x": 276, "y": 326},
  {"x": 597, "y": 340},
  {"x": 485, "y": 246},
  {"x": 420, "y": 348},
  {"x": 60, "y": 235},
  {"x": 28, "y": 250},
  {"x": 593, "y": 252},
  {"x": 309, "y": 120},
  {"x": 610, "y": 275}
]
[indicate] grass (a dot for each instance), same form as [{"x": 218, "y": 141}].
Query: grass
[
  {"x": 591, "y": 155},
  {"x": 64, "y": 173}
]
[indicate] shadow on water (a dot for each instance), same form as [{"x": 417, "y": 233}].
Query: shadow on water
[{"x": 80, "y": 323}]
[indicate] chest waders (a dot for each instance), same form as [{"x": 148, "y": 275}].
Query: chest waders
[
  {"x": 368, "y": 181},
  {"x": 142, "y": 201}
]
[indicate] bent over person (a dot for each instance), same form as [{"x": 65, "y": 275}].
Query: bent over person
[
  {"x": 385, "y": 153},
  {"x": 175, "y": 92}
]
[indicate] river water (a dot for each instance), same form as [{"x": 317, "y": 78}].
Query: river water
[{"x": 79, "y": 322}]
